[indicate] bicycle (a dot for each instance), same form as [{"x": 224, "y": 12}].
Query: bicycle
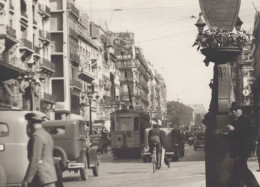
[{"x": 155, "y": 159}]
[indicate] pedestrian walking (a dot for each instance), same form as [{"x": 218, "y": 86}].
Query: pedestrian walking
[
  {"x": 40, "y": 171},
  {"x": 240, "y": 136}
]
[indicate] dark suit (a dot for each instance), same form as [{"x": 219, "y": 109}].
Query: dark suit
[
  {"x": 155, "y": 136},
  {"x": 41, "y": 170},
  {"x": 240, "y": 147}
]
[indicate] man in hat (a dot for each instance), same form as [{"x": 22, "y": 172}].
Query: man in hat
[
  {"x": 41, "y": 171},
  {"x": 240, "y": 136}
]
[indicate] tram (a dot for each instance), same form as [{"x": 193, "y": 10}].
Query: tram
[{"x": 127, "y": 131}]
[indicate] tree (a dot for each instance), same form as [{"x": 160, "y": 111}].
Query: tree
[{"x": 179, "y": 113}]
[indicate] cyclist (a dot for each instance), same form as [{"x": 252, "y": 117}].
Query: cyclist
[{"x": 155, "y": 136}]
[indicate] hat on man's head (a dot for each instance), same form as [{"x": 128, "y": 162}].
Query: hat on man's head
[
  {"x": 235, "y": 105},
  {"x": 34, "y": 117}
]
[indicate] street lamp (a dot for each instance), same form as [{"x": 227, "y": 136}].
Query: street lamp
[{"x": 200, "y": 24}]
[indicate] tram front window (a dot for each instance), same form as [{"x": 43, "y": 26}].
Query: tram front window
[{"x": 124, "y": 124}]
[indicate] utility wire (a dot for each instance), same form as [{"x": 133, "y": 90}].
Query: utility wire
[
  {"x": 168, "y": 36},
  {"x": 160, "y": 24}
]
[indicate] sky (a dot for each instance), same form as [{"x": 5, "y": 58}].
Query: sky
[{"x": 165, "y": 30}]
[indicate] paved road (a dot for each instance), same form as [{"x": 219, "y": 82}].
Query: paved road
[
  {"x": 189, "y": 171},
  {"x": 133, "y": 172}
]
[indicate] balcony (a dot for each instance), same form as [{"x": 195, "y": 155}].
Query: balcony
[
  {"x": 24, "y": 19},
  {"x": 26, "y": 46},
  {"x": 75, "y": 84},
  {"x": 10, "y": 68},
  {"x": 44, "y": 10},
  {"x": 47, "y": 66},
  {"x": 37, "y": 49},
  {"x": 71, "y": 7},
  {"x": 73, "y": 34},
  {"x": 9, "y": 34},
  {"x": 74, "y": 58},
  {"x": 127, "y": 65},
  {"x": 86, "y": 75},
  {"x": 44, "y": 36},
  {"x": 46, "y": 97}
]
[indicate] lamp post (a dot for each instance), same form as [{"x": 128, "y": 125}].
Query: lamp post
[{"x": 217, "y": 153}]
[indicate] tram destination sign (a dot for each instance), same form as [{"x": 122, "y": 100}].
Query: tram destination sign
[{"x": 220, "y": 14}]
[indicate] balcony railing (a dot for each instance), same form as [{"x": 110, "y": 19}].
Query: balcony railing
[
  {"x": 44, "y": 10},
  {"x": 47, "y": 65},
  {"x": 47, "y": 97},
  {"x": 36, "y": 49},
  {"x": 45, "y": 35},
  {"x": 4, "y": 29},
  {"x": 75, "y": 83},
  {"x": 71, "y": 7},
  {"x": 74, "y": 58},
  {"x": 73, "y": 33},
  {"x": 25, "y": 43}
]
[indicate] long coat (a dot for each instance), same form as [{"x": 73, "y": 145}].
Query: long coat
[
  {"x": 241, "y": 137},
  {"x": 41, "y": 168}
]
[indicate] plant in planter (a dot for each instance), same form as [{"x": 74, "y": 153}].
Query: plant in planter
[{"x": 214, "y": 38}]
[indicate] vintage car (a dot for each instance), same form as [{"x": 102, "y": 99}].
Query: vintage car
[
  {"x": 72, "y": 145},
  {"x": 199, "y": 141},
  {"x": 13, "y": 147},
  {"x": 173, "y": 145}
]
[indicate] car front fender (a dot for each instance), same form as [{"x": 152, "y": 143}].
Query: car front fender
[{"x": 92, "y": 155}]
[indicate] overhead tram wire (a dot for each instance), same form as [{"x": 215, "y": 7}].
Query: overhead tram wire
[
  {"x": 168, "y": 36},
  {"x": 166, "y": 23},
  {"x": 143, "y": 8}
]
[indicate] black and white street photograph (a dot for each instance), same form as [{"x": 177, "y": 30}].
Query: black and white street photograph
[{"x": 129, "y": 93}]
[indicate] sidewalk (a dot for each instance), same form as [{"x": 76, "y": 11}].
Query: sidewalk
[{"x": 252, "y": 164}]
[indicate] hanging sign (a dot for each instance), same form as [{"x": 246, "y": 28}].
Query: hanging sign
[{"x": 220, "y": 14}]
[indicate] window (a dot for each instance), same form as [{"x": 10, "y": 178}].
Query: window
[
  {"x": 56, "y": 130},
  {"x": 4, "y": 131}
]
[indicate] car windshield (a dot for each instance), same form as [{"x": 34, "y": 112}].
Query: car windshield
[{"x": 4, "y": 131}]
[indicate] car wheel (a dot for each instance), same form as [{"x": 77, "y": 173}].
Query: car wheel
[
  {"x": 144, "y": 159},
  {"x": 95, "y": 168},
  {"x": 83, "y": 171},
  {"x": 2, "y": 176},
  {"x": 59, "y": 152}
]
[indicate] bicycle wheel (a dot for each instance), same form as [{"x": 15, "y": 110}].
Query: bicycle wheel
[{"x": 154, "y": 160}]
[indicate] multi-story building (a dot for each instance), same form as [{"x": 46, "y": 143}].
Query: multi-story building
[
  {"x": 132, "y": 64},
  {"x": 75, "y": 55},
  {"x": 25, "y": 55}
]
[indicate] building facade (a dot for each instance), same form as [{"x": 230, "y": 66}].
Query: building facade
[{"x": 25, "y": 65}]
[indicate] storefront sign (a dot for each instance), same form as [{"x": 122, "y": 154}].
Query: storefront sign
[{"x": 220, "y": 14}]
